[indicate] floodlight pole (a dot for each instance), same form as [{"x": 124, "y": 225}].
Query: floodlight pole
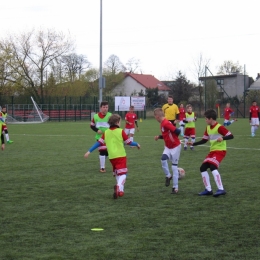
[{"x": 100, "y": 57}]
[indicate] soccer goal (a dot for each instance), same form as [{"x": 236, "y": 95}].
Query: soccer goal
[{"x": 18, "y": 114}]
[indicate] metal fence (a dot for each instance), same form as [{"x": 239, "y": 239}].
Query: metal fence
[{"x": 81, "y": 108}]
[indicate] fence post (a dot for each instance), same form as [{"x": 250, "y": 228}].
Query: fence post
[{"x": 65, "y": 109}]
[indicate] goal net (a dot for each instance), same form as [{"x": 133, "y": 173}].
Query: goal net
[{"x": 21, "y": 114}]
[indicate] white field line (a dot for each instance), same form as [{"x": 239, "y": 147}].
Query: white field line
[{"x": 197, "y": 138}]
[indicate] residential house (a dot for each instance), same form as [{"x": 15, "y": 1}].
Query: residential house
[
  {"x": 133, "y": 84},
  {"x": 256, "y": 84},
  {"x": 230, "y": 85}
]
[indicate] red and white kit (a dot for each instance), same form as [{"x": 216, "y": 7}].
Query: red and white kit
[{"x": 130, "y": 123}]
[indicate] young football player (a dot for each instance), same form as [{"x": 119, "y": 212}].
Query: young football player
[
  {"x": 114, "y": 139},
  {"x": 217, "y": 134},
  {"x": 227, "y": 113},
  {"x": 99, "y": 124},
  {"x": 172, "y": 148},
  {"x": 130, "y": 123},
  {"x": 254, "y": 116},
  {"x": 190, "y": 131}
]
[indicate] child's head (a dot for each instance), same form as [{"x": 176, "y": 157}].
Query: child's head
[
  {"x": 131, "y": 108},
  {"x": 114, "y": 120},
  {"x": 228, "y": 105},
  {"x": 253, "y": 103},
  {"x": 210, "y": 116},
  {"x": 181, "y": 105},
  {"x": 104, "y": 107},
  {"x": 3, "y": 109},
  {"x": 158, "y": 114},
  {"x": 189, "y": 108}
]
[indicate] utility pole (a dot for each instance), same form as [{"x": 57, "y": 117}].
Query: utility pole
[{"x": 100, "y": 57}]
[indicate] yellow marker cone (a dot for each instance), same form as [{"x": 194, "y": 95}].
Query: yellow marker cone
[{"x": 141, "y": 120}]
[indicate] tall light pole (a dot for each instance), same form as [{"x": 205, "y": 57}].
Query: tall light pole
[{"x": 100, "y": 57}]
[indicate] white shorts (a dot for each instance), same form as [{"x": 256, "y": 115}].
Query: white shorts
[
  {"x": 173, "y": 154},
  {"x": 254, "y": 121},
  {"x": 129, "y": 131},
  {"x": 226, "y": 121},
  {"x": 181, "y": 123}
]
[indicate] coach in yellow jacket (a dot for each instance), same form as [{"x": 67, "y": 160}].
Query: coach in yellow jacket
[{"x": 171, "y": 111}]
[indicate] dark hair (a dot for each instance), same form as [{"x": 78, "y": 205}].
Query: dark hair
[
  {"x": 114, "y": 119},
  {"x": 170, "y": 96},
  {"x": 211, "y": 113},
  {"x": 3, "y": 106},
  {"x": 103, "y": 103}
]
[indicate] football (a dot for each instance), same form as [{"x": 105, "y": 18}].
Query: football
[{"x": 181, "y": 173}]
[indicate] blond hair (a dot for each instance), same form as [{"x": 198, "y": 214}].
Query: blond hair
[{"x": 158, "y": 112}]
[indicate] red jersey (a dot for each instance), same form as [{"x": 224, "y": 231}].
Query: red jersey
[
  {"x": 221, "y": 130},
  {"x": 182, "y": 114},
  {"x": 227, "y": 112},
  {"x": 130, "y": 118},
  {"x": 254, "y": 110},
  {"x": 171, "y": 140}
]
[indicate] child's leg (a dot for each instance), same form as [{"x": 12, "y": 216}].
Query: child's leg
[
  {"x": 121, "y": 183},
  {"x": 186, "y": 140},
  {"x": 175, "y": 156},
  {"x": 205, "y": 176},
  {"x": 120, "y": 171},
  {"x": 252, "y": 129},
  {"x": 6, "y": 135},
  {"x": 165, "y": 167},
  {"x": 102, "y": 159},
  {"x": 192, "y": 141},
  {"x": 175, "y": 176}
]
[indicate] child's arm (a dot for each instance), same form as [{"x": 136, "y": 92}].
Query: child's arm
[{"x": 226, "y": 134}]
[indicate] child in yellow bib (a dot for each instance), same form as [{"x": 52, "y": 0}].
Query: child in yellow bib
[
  {"x": 217, "y": 135},
  {"x": 114, "y": 139}
]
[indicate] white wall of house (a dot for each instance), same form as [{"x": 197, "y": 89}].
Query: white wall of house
[
  {"x": 234, "y": 86},
  {"x": 127, "y": 87}
]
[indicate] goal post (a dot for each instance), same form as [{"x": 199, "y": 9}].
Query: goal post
[{"x": 32, "y": 114}]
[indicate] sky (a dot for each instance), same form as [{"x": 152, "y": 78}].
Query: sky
[{"x": 166, "y": 36}]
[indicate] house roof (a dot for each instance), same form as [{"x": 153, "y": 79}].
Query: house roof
[
  {"x": 148, "y": 81},
  {"x": 255, "y": 85}
]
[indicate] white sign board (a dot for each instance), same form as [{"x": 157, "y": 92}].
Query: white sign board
[
  {"x": 138, "y": 103},
  {"x": 122, "y": 103}
]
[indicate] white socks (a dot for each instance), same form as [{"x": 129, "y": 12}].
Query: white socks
[
  {"x": 120, "y": 179},
  {"x": 7, "y": 137},
  {"x": 175, "y": 176},
  {"x": 102, "y": 159},
  {"x": 206, "y": 181},
  {"x": 165, "y": 168},
  {"x": 217, "y": 178}
]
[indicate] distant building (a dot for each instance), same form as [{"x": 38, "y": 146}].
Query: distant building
[
  {"x": 133, "y": 84},
  {"x": 256, "y": 84},
  {"x": 230, "y": 85}
]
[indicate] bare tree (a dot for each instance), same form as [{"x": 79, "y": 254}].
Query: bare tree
[
  {"x": 31, "y": 56},
  {"x": 113, "y": 65},
  {"x": 199, "y": 65},
  {"x": 132, "y": 65},
  {"x": 229, "y": 67},
  {"x": 199, "y": 70},
  {"x": 74, "y": 65}
]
